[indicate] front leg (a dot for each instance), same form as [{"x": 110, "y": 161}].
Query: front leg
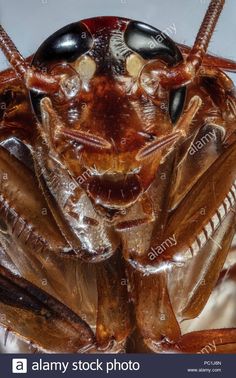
[
  {"x": 34, "y": 247},
  {"x": 31, "y": 239},
  {"x": 215, "y": 341},
  {"x": 201, "y": 223}
]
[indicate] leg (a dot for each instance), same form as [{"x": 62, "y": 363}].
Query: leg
[
  {"x": 187, "y": 221},
  {"x": 190, "y": 286},
  {"x": 37, "y": 317},
  {"x": 33, "y": 242},
  {"x": 154, "y": 313},
  {"x": 204, "y": 342},
  {"x": 37, "y": 250},
  {"x": 205, "y": 219},
  {"x": 114, "y": 310}
]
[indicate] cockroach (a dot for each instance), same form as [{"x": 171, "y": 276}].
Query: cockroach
[{"x": 118, "y": 188}]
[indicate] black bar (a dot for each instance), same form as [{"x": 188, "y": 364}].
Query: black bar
[{"x": 129, "y": 365}]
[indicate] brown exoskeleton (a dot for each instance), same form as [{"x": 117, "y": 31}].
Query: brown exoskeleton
[{"x": 118, "y": 188}]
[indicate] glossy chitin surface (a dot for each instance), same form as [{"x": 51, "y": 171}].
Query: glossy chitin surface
[{"x": 118, "y": 210}]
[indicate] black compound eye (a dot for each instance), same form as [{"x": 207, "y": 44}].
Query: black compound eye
[
  {"x": 176, "y": 103},
  {"x": 151, "y": 43},
  {"x": 64, "y": 46}
]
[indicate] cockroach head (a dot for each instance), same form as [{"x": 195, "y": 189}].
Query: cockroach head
[
  {"x": 107, "y": 46},
  {"x": 106, "y": 110}
]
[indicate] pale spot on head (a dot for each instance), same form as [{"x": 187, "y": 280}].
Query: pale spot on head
[
  {"x": 134, "y": 64},
  {"x": 86, "y": 67}
]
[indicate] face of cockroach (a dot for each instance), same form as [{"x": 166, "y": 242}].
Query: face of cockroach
[{"x": 108, "y": 118}]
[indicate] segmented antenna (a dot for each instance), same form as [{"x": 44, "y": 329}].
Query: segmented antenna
[
  {"x": 33, "y": 78},
  {"x": 12, "y": 54},
  {"x": 206, "y": 31}
]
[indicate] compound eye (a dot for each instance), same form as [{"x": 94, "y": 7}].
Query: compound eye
[
  {"x": 85, "y": 67},
  {"x": 70, "y": 82},
  {"x": 134, "y": 65},
  {"x": 63, "y": 47},
  {"x": 152, "y": 44}
]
